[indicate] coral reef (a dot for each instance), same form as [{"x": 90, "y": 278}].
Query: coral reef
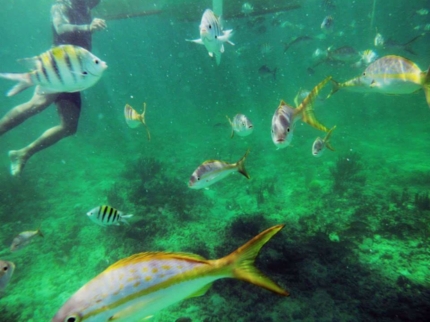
[{"x": 347, "y": 173}]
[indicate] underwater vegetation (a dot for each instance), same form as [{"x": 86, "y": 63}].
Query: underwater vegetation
[{"x": 347, "y": 173}]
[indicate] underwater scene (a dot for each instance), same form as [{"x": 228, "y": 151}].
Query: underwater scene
[{"x": 214, "y": 161}]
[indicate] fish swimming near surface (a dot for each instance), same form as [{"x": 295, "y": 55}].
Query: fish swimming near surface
[
  {"x": 23, "y": 239},
  {"x": 212, "y": 35},
  {"x": 6, "y": 272},
  {"x": 319, "y": 145},
  {"x": 134, "y": 119},
  {"x": 212, "y": 171},
  {"x": 240, "y": 125},
  {"x": 285, "y": 117},
  {"x": 107, "y": 216},
  {"x": 389, "y": 75},
  {"x": 64, "y": 68},
  {"x": 141, "y": 285},
  {"x": 265, "y": 71}
]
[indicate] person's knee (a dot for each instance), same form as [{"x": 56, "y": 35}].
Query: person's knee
[{"x": 70, "y": 128}]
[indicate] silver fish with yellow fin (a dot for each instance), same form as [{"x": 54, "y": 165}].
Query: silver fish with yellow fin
[
  {"x": 64, "y": 68},
  {"x": 139, "y": 286},
  {"x": 6, "y": 272},
  {"x": 389, "y": 75},
  {"x": 285, "y": 116},
  {"x": 134, "y": 119},
  {"x": 320, "y": 144},
  {"x": 240, "y": 125},
  {"x": 212, "y": 171}
]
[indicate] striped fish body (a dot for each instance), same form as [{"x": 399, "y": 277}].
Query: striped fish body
[
  {"x": 212, "y": 171},
  {"x": 134, "y": 119},
  {"x": 212, "y": 35},
  {"x": 241, "y": 125},
  {"x": 107, "y": 216},
  {"x": 143, "y": 284},
  {"x": 64, "y": 68}
]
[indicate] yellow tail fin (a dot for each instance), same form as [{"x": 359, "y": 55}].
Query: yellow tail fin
[
  {"x": 426, "y": 86},
  {"x": 307, "y": 110},
  {"x": 241, "y": 262},
  {"x": 241, "y": 166},
  {"x": 335, "y": 87}
]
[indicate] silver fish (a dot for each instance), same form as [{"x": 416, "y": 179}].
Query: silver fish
[
  {"x": 212, "y": 171},
  {"x": 320, "y": 144},
  {"x": 64, "y": 68},
  {"x": 241, "y": 125},
  {"x": 285, "y": 116},
  {"x": 24, "y": 238},
  {"x": 6, "y": 272},
  {"x": 212, "y": 35}
]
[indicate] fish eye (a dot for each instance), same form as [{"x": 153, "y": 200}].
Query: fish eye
[
  {"x": 5, "y": 268},
  {"x": 198, "y": 178},
  {"x": 364, "y": 74},
  {"x": 288, "y": 129},
  {"x": 72, "y": 318},
  {"x": 96, "y": 61},
  {"x": 85, "y": 73},
  {"x": 210, "y": 27}
]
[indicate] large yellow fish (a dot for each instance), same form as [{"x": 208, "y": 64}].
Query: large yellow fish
[
  {"x": 137, "y": 287},
  {"x": 389, "y": 75}
]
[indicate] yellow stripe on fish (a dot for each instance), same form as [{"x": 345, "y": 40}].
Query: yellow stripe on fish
[
  {"x": 134, "y": 119},
  {"x": 143, "y": 284}
]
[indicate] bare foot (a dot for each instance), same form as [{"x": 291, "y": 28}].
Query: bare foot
[{"x": 17, "y": 162}]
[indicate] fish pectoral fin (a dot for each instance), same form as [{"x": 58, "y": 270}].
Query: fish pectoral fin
[
  {"x": 210, "y": 54},
  {"x": 197, "y": 41},
  {"x": 201, "y": 292},
  {"x": 132, "y": 310},
  {"x": 222, "y": 49}
]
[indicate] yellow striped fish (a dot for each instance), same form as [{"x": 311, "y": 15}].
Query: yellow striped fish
[
  {"x": 134, "y": 119},
  {"x": 143, "y": 284},
  {"x": 285, "y": 116},
  {"x": 389, "y": 75},
  {"x": 64, "y": 68}
]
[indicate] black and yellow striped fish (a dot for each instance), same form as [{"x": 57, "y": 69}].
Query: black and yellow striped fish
[
  {"x": 106, "y": 216},
  {"x": 64, "y": 68}
]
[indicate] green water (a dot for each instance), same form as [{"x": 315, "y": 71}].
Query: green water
[{"x": 355, "y": 244}]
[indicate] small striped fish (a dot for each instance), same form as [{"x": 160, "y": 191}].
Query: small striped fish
[
  {"x": 134, "y": 119},
  {"x": 285, "y": 116},
  {"x": 106, "y": 216},
  {"x": 241, "y": 125},
  {"x": 64, "y": 68},
  {"x": 139, "y": 286},
  {"x": 212, "y": 171},
  {"x": 212, "y": 36}
]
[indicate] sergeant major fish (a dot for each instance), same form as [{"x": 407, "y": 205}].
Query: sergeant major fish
[
  {"x": 285, "y": 116},
  {"x": 212, "y": 36},
  {"x": 240, "y": 125},
  {"x": 319, "y": 144},
  {"x": 389, "y": 75},
  {"x": 212, "y": 171},
  {"x": 64, "y": 68},
  {"x": 23, "y": 239},
  {"x": 139, "y": 286},
  {"x": 6, "y": 272},
  {"x": 134, "y": 119},
  {"x": 107, "y": 216}
]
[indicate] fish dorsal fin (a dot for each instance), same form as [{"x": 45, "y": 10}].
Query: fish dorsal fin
[
  {"x": 201, "y": 292},
  {"x": 282, "y": 103},
  {"x": 32, "y": 63}
]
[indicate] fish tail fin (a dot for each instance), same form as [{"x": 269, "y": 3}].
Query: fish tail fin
[
  {"x": 124, "y": 218},
  {"x": 24, "y": 81},
  {"x": 327, "y": 139},
  {"x": 335, "y": 87},
  {"x": 240, "y": 263},
  {"x": 307, "y": 110},
  {"x": 274, "y": 72},
  {"x": 241, "y": 165},
  {"x": 407, "y": 46},
  {"x": 426, "y": 86},
  {"x": 39, "y": 232}
]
